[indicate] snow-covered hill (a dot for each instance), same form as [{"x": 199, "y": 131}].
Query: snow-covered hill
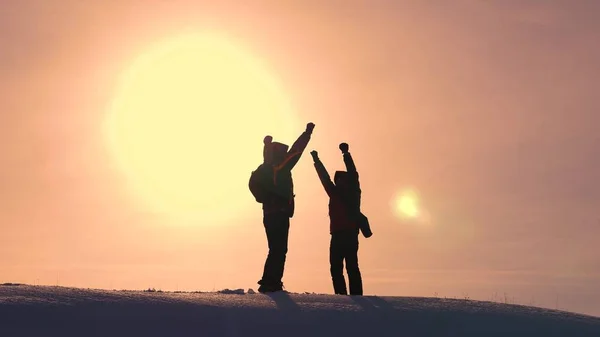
[{"x": 69, "y": 312}]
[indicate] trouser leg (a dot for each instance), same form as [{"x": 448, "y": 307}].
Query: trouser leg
[
  {"x": 336, "y": 261},
  {"x": 351, "y": 257},
  {"x": 277, "y": 229}
]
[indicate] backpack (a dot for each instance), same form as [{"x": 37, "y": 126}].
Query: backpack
[
  {"x": 364, "y": 226},
  {"x": 262, "y": 183},
  {"x": 357, "y": 215}
]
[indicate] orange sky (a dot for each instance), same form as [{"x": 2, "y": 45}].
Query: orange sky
[{"x": 487, "y": 108}]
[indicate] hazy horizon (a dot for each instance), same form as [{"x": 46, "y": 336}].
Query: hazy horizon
[{"x": 486, "y": 109}]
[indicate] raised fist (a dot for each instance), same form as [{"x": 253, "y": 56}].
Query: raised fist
[
  {"x": 315, "y": 155},
  {"x": 310, "y": 127},
  {"x": 344, "y": 147}
]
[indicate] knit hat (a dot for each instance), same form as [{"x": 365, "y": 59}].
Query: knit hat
[
  {"x": 273, "y": 152},
  {"x": 267, "y": 149}
]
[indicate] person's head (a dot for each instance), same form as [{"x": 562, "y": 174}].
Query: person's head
[
  {"x": 340, "y": 178},
  {"x": 274, "y": 152},
  {"x": 279, "y": 150}
]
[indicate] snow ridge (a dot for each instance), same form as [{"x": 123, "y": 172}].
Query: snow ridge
[{"x": 68, "y": 312}]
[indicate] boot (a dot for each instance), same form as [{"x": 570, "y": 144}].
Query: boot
[{"x": 269, "y": 288}]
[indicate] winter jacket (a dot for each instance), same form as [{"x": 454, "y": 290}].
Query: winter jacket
[
  {"x": 344, "y": 201},
  {"x": 283, "y": 162}
]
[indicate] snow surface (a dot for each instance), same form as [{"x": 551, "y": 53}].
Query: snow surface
[{"x": 69, "y": 312}]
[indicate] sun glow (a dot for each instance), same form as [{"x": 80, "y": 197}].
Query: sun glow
[
  {"x": 187, "y": 122},
  {"x": 407, "y": 204}
]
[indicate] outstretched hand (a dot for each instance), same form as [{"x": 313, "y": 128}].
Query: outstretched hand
[
  {"x": 344, "y": 147},
  {"x": 310, "y": 127},
  {"x": 315, "y": 155}
]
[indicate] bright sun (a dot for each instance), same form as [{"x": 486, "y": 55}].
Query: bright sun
[{"x": 187, "y": 122}]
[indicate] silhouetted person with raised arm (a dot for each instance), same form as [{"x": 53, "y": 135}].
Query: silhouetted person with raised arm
[
  {"x": 346, "y": 221},
  {"x": 278, "y": 204}
]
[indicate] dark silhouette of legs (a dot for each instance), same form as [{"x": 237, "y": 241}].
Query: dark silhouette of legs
[
  {"x": 344, "y": 247},
  {"x": 336, "y": 261},
  {"x": 277, "y": 226},
  {"x": 354, "y": 277}
]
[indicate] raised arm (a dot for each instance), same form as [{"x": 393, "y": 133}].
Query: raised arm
[
  {"x": 349, "y": 162},
  {"x": 295, "y": 152},
  {"x": 350, "y": 166},
  {"x": 323, "y": 174}
]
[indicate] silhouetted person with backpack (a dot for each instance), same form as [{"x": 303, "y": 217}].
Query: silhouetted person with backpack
[
  {"x": 273, "y": 186},
  {"x": 346, "y": 222}
]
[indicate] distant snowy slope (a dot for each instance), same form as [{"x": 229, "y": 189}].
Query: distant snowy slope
[{"x": 68, "y": 312}]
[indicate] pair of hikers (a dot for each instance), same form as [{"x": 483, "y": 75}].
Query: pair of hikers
[{"x": 272, "y": 185}]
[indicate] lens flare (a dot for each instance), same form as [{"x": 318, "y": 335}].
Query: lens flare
[{"x": 406, "y": 204}]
